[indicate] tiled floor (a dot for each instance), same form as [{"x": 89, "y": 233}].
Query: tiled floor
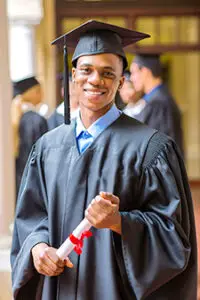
[
  {"x": 5, "y": 280},
  {"x": 5, "y": 286}
]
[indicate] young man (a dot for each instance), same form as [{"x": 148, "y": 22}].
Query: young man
[
  {"x": 127, "y": 179},
  {"x": 161, "y": 111}
]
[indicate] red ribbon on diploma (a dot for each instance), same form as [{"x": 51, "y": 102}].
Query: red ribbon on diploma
[{"x": 79, "y": 242}]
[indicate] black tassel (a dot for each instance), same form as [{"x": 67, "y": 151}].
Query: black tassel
[{"x": 66, "y": 88}]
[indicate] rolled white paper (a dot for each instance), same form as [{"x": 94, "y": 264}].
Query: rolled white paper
[{"x": 66, "y": 248}]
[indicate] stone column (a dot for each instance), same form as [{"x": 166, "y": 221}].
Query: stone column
[
  {"x": 32, "y": 28},
  {"x": 23, "y": 16},
  {"x": 21, "y": 50},
  {"x": 7, "y": 192}
]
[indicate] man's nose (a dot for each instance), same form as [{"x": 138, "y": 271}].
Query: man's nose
[{"x": 95, "y": 78}]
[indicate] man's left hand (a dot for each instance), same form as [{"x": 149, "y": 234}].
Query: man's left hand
[{"x": 103, "y": 212}]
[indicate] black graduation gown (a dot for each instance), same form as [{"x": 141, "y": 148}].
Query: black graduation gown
[
  {"x": 55, "y": 120},
  {"x": 162, "y": 113},
  {"x": 32, "y": 126},
  {"x": 154, "y": 258}
]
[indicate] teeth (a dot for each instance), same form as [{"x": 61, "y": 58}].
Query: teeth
[{"x": 94, "y": 93}]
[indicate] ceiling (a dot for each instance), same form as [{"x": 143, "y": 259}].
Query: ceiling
[{"x": 139, "y": 3}]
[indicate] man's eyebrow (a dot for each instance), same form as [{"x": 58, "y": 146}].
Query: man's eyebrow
[
  {"x": 103, "y": 67},
  {"x": 109, "y": 68},
  {"x": 85, "y": 64}
]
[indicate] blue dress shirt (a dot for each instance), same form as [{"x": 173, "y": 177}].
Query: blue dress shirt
[{"x": 85, "y": 137}]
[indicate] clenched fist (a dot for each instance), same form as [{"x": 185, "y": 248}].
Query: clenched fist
[
  {"x": 47, "y": 262},
  {"x": 103, "y": 212}
]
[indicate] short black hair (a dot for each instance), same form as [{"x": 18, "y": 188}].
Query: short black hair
[{"x": 151, "y": 62}]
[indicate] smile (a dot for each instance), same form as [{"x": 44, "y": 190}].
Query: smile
[{"x": 94, "y": 93}]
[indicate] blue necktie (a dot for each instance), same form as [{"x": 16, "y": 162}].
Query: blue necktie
[{"x": 85, "y": 141}]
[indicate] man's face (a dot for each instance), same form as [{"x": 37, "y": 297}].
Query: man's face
[
  {"x": 137, "y": 77},
  {"x": 34, "y": 95},
  {"x": 97, "y": 79},
  {"x": 127, "y": 92}
]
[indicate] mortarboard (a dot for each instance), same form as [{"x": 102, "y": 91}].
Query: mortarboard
[
  {"x": 92, "y": 38},
  {"x": 23, "y": 85},
  {"x": 150, "y": 61}
]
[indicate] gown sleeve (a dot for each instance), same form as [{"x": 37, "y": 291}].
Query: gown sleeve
[
  {"x": 31, "y": 228},
  {"x": 156, "y": 239}
]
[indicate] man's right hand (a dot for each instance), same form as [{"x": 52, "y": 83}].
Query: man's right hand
[{"x": 47, "y": 262}]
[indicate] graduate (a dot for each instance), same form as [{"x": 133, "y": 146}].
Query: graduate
[
  {"x": 161, "y": 111},
  {"x": 126, "y": 179},
  {"x": 27, "y": 123}
]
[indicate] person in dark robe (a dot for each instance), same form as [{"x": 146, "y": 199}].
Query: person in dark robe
[
  {"x": 28, "y": 124},
  {"x": 161, "y": 111},
  {"x": 126, "y": 178}
]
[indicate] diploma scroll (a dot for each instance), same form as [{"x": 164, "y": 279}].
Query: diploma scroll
[{"x": 68, "y": 246}]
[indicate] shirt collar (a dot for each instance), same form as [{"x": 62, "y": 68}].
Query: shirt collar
[
  {"x": 100, "y": 124},
  {"x": 147, "y": 97},
  {"x": 79, "y": 126},
  {"x": 28, "y": 106}
]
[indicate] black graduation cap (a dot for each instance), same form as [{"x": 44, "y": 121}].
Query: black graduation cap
[
  {"x": 150, "y": 61},
  {"x": 91, "y": 38},
  {"x": 21, "y": 86}
]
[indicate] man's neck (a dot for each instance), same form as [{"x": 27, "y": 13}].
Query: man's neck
[
  {"x": 88, "y": 117},
  {"x": 151, "y": 84}
]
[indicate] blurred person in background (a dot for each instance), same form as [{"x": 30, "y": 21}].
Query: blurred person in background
[
  {"x": 28, "y": 125},
  {"x": 132, "y": 99},
  {"x": 161, "y": 111},
  {"x": 57, "y": 117}
]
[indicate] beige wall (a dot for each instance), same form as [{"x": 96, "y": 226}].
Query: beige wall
[{"x": 185, "y": 78}]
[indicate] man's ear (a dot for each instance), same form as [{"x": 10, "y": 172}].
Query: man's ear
[
  {"x": 121, "y": 82},
  {"x": 73, "y": 74}
]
